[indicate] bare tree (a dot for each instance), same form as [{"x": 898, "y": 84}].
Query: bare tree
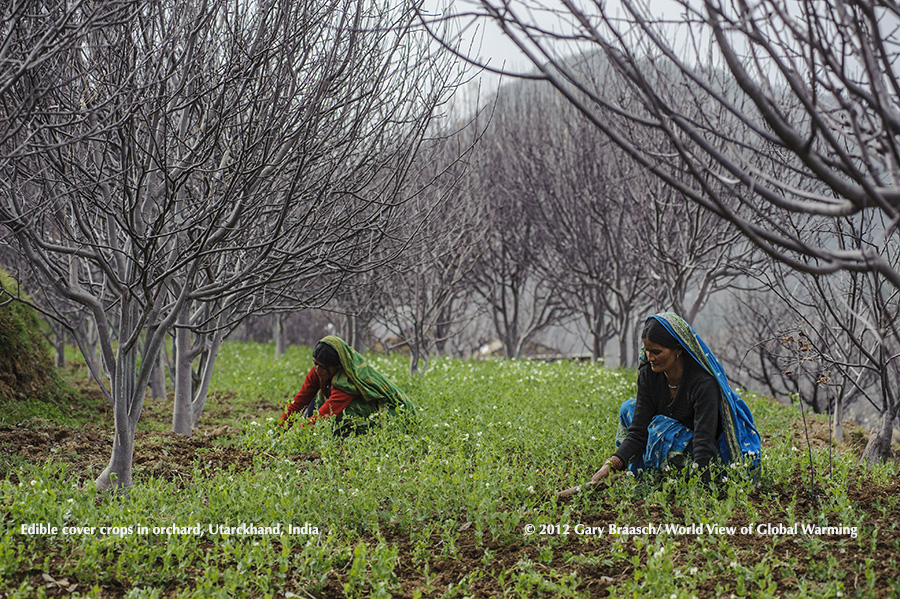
[
  {"x": 355, "y": 304},
  {"x": 839, "y": 341},
  {"x": 37, "y": 43},
  {"x": 428, "y": 297},
  {"x": 303, "y": 327},
  {"x": 815, "y": 91},
  {"x": 513, "y": 275},
  {"x": 619, "y": 242},
  {"x": 191, "y": 163},
  {"x": 587, "y": 235},
  {"x": 599, "y": 258},
  {"x": 690, "y": 256},
  {"x": 40, "y": 46},
  {"x": 768, "y": 349}
]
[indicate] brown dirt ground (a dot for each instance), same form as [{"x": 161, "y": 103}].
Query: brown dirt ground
[
  {"x": 157, "y": 454},
  {"x": 597, "y": 580}
]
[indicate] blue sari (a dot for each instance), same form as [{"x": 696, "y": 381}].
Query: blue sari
[{"x": 667, "y": 437}]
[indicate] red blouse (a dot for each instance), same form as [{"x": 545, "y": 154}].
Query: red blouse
[{"x": 335, "y": 403}]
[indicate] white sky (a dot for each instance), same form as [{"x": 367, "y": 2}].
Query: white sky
[{"x": 490, "y": 44}]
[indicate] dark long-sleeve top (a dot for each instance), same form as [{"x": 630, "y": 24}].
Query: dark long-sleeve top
[{"x": 695, "y": 405}]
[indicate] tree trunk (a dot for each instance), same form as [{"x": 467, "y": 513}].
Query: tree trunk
[
  {"x": 838, "y": 428},
  {"x": 117, "y": 473},
  {"x": 413, "y": 358},
  {"x": 596, "y": 347},
  {"x": 351, "y": 339},
  {"x": 182, "y": 419},
  {"x": 359, "y": 339},
  {"x": 623, "y": 349},
  {"x": 189, "y": 402},
  {"x": 878, "y": 449},
  {"x": 59, "y": 339},
  {"x": 88, "y": 345},
  {"x": 158, "y": 378},
  {"x": 199, "y": 401},
  {"x": 278, "y": 334},
  {"x": 128, "y": 401}
]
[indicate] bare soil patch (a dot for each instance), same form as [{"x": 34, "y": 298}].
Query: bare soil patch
[{"x": 157, "y": 454}]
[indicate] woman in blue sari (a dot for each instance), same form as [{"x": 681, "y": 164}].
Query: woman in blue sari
[{"x": 684, "y": 407}]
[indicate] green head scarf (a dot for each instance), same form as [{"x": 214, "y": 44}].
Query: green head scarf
[{"x": 362, "y": 379}]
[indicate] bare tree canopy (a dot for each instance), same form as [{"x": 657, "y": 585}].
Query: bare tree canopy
[
  {"x": 831, "y": 341},
  {"x": 426, "y": 298},
  {"x": 178, "y": 165},
  {"x": 799, "y": 103}
]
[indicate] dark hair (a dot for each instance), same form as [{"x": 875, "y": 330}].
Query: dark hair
[
  {"x": 326, "y": 355},
  {"x": 655, "y": 331}
]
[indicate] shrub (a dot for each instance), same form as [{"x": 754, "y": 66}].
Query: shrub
[{"x": 26, "y": 366}]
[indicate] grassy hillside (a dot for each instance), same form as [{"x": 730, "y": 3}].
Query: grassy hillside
[
  {"x": 463, "y": 506},
  {"x": 29, "y": 382}
]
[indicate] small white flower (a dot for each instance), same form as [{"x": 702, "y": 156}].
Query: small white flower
[
  {"x": 33, "y": 482},
  {"x": 70, "y": 500}
]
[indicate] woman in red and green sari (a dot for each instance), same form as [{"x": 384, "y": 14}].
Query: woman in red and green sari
[{"x": 343, "y": 385}]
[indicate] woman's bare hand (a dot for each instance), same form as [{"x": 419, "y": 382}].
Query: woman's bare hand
[{"x": 600, "y": 474}]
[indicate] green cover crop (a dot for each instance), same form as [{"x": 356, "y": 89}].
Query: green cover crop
[{"x": 461, "y": 505}]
